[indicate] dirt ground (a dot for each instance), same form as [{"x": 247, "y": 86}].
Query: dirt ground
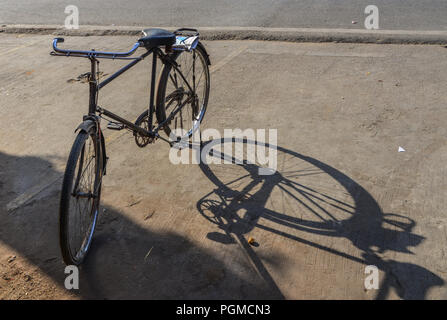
[{"x": 342, "y": 197}]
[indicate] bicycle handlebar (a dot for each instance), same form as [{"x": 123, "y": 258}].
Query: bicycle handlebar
[{"x": 92, "y": 53}]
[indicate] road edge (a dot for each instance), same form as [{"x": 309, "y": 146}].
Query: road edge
[{"x": 253, "y": 33}]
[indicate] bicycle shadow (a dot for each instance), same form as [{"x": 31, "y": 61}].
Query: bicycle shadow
[
  {"x": 367, "y": 227},
  {"x": 130, "y": 261},
  {"x": 127, "y": 260}
]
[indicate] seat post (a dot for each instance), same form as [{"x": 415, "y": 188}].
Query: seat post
[
  {"x": 151, "y": 101},
  {"x": 93, "y": 87}
]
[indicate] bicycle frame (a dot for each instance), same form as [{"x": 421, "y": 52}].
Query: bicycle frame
[
  {"x": 86, "y": 166},
  {"x": 94, "y": 86}
]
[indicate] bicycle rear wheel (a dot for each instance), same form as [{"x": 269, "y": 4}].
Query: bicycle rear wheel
[
  {"x": 80, "y": 196},
  {"x": 173, "y": 91}
]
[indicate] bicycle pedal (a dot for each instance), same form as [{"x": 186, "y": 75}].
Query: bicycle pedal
[{"x": 115, "y": 126}]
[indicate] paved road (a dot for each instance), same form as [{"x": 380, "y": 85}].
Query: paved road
[{"x": 396, "y": 14}]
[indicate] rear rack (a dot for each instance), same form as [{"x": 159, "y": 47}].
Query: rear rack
[{"x": 186, "y": 32}]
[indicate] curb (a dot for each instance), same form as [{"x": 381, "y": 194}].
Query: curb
[{"x": 254, "y": 33}]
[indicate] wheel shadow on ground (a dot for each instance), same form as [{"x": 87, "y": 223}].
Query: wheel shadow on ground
[
  {"x": 126, "y": 260},
  {"x": 240, "y": 203}
]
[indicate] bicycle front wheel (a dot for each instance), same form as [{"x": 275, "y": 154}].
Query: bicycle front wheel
[
  {"x": 182, "y": 95},
  {"x": 79, "y": 203}
]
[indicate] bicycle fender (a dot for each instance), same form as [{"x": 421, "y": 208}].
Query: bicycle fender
[
  {"x": 86, "y": 126},
  {"x": 207, "y": 56},
  {"x": 104, "y": 155}
]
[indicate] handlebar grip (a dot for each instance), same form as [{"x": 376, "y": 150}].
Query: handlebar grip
[{"x": 59, "y": 40}]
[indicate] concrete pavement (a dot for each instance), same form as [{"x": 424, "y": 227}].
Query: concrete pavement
[{"x": 343, "y": 196}]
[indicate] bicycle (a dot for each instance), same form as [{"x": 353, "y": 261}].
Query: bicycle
[{"x": 180, "y": 103}]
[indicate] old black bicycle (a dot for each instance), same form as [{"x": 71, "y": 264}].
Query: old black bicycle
[{"x": 179, "y": 106}]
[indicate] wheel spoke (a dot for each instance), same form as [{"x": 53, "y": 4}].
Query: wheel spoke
[
  {"x": 193, "y": 69},
  {"x": 83, "y": 200}
]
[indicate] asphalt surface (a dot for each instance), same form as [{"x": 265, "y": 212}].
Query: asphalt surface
[{"x": 395, "y": 15}]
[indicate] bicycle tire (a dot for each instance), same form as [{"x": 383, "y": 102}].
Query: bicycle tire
[
  {"x": 76, "y": 160},
  {"x": 162, "y": 88}
]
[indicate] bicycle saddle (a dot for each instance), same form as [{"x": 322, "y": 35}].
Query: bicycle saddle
[{"x": 157, "y": 37}]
